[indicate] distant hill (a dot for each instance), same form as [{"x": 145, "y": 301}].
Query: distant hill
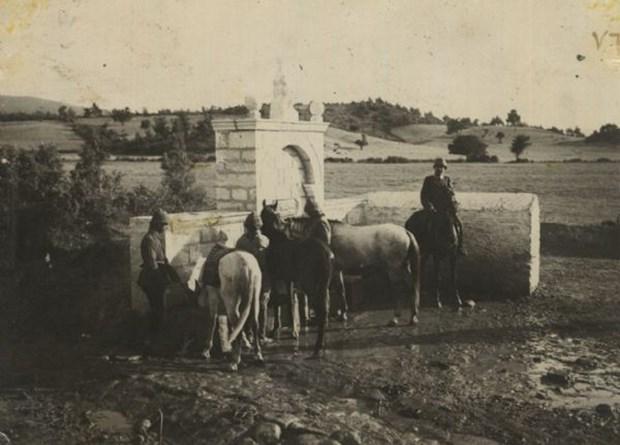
[
  {"x": 375, "y": 117},
  {"x": 31, "y": 105}
]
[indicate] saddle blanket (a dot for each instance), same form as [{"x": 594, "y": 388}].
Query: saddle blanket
[{"x": 210, "y": 275}]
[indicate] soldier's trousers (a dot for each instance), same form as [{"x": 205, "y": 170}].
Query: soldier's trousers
[{"x": 155, "y": 295}]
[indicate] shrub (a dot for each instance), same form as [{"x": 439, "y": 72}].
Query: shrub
[
  {"x": 468, "y": 145},
  {"x": 338, "y": 160},
  {"x": 519, "y": 144}
]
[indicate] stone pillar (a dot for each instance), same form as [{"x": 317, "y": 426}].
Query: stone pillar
[{"x": 268, "y": 159}]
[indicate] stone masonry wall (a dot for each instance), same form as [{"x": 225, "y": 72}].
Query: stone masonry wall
[{"x": 236, "y": 170}]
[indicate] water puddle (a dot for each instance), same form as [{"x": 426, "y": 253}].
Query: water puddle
[{"x": 567, "y": 373}]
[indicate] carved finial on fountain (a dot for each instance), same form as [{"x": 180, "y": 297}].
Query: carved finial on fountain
[
  {"x": 281, "y": 104},
  {"x": 252, "y": 106},
  {"x": 316, "y": 111}
]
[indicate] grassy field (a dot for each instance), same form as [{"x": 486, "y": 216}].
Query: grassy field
[
  {"x": 30, "y": 134},
  {"x": 569, "y": 193}
]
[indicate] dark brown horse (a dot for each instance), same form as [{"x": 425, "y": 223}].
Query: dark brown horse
[
  {"x": 438, "y": 239},
  {"x": 308, "y": 263}
]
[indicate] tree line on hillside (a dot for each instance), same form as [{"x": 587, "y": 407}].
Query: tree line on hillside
[
  {"x": 158, "y": 135},
  {"x": 376, "y": 117}
]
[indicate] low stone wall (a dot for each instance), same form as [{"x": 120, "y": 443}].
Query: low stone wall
[{"x": 502, "y": 237}]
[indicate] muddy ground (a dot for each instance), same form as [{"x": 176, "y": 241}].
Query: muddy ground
[{"x": 544, "y": 369}]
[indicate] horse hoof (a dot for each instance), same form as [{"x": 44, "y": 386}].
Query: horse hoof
[
  {"x": 259, "y": 359},
  {"x": 414, "y": 320},
  {"x": 439, "y": 305},
  {"x": 233, "y": 367},
  {"x": 393, "y": 322},
  {"x": 206, "y": 355}
]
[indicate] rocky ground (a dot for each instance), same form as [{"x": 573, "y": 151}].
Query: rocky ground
[{"x": 545, "y": 369}]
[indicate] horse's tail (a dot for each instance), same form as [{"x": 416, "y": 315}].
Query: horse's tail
[{"x": 249, "y": 289}]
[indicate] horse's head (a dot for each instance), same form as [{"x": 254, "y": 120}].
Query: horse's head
[{"x": 272, "y": 221}]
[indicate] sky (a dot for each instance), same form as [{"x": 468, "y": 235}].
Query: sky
[{"x": 467, "y": 58}]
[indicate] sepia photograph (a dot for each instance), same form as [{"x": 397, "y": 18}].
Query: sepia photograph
[{"x": 309, "y": 222}]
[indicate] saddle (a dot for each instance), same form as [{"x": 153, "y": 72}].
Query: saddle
[{"x": 210, "y": 275}]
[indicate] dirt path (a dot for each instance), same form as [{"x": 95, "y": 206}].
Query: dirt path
[{"x": 541, "y": 370}]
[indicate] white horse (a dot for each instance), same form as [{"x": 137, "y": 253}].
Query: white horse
[{"x": 239, "y": 294}]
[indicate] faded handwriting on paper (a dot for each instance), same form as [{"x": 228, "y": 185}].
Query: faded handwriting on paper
[{"x": 607, "y": 39}]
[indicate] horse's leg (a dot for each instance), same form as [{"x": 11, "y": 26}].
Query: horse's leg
[
  {"x": 322, "y": 316},
  {"x": 233, "y": 319},
  {"x": 453, "y": 279},
  {"x": 338, "y": 288},
  {"x": 294, "y": 310},
  {"x": 277, "y": 308},
  {"x": 435, "y": 284},
  {"x": 305, "y": 311},
  {"x": 211, "y": 303},
  {"x": 263, "y": 314},
  {"x": 395, "y": 276},
  {"x": 256, "y": 327},
  {"x": 413, "y": 275}
]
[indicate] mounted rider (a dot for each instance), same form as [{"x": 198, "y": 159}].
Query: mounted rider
[
  {"x": 437, "y": 195},
  {"x": 254, "y": 242}
]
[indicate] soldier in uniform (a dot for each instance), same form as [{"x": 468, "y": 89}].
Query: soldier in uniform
[
  {"x": 156, "y": 272},
  {"x": 254, "y": 242},
  {"x": 437, "y": 195},
  {"x": 318, "y": 226}
]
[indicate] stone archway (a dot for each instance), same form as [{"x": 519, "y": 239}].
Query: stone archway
[{"x": 297, "y": 175}]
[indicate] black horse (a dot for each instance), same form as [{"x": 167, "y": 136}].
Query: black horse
[
  {"x": 309, "y": 264},
  {"x": 437, "y": 238}
]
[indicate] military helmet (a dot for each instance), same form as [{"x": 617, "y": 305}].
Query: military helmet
[
  {"x": 253, "y": 221},
  {"x": 312, "y": 207},
  {"x": 440, "y": 162},
  {"x": 160, "y": 217}
]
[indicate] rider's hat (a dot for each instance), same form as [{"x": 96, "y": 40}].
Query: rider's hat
[
  {"x": 440, "y": 162},
  {"x": 160, "y": 217},
  {"x": 253, "y": 222}
]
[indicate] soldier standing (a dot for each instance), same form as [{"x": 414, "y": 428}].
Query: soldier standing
[
  {"x": 437, "y": 195},
  {"x": 254, "y": 242},
  {"x": 155, "y": 274}
]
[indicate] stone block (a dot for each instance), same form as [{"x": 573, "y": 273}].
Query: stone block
[
  {"x": 240, "y": 194},
  {"x": 248, "y": 156},
  {"x": 241, "y": 139},
  {"x": 230, "y": 205},
  {"x": 222, "y": 193},
  {"x": 228, "y": 155},
  {"x": 233, "y": 180}
]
